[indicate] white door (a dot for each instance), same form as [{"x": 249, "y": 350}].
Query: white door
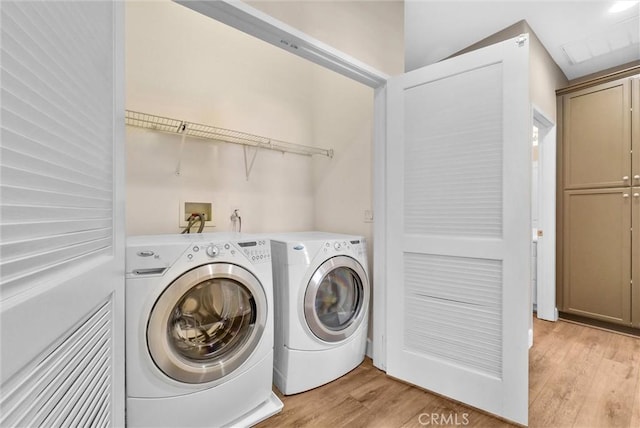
[
  {"x": 458, "y": 228},
  {"x": 62, "y": 245}
]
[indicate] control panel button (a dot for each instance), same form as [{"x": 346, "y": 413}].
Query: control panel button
[
  {"x": 212, "y": 251},
  {"x": 337, "y": 246},
  {"x": 196, "y": 249},
  {"x": 189, "y": 256},
  {"x": 226, "y": 246}
]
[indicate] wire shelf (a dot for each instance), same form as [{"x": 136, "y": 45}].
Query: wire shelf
[{"x": 208, "y": 132}]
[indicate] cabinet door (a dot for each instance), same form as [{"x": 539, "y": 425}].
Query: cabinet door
[
  {"x": 597, "y": 256},
  {"x": 597, "y": 136},
  {"x": 635, "y": 257}
]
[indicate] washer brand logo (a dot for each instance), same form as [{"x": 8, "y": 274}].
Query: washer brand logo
[
  {"x": 145, "y": 253},
  {"x": 455, "y": 419},
  {"x": 298, "y": 247}
]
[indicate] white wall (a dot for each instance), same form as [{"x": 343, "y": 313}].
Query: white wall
[
  {"x": 183, "y": 65},
  {"x": 343, "y": 185},
  {"x": 277, "y": 197}
]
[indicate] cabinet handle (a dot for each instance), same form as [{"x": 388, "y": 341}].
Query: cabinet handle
[
  {"x": 625, "y": 178},
  {"x": 636, "y": 177},
  {"x": 625, "y": 195},
  {"x": 636, "y": 195}
]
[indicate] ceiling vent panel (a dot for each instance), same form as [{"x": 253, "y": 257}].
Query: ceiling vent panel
[
  {"x": 577, "y": 52},
  {"x": 615, "y": 38}
]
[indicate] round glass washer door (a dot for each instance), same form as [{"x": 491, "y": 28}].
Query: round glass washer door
[
  {"x": 207, "y": 323},
  {"x": 336, "y": 299}
]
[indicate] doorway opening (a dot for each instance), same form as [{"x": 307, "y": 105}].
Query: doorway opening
[{"x": 543, "y": 217}]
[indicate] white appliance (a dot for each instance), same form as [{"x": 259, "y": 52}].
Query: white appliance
[
  {"x": 199, "y": 331},
  {"x": 322, "y": 302}
]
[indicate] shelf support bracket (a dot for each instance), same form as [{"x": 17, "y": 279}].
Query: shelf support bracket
[
  {"x": 248, "y": 164},
  {"x": 183, "y": 130}
]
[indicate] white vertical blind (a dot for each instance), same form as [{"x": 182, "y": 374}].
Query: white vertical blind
[{"x": 57, "y": 139}]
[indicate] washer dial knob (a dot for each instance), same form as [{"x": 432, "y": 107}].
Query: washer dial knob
[
  {"x": 212, "y": 251},
  {"x": 337, "y": 246}
]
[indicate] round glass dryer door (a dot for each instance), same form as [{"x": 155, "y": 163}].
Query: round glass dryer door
[
  {"x": 336, "y": 299},
  {"x": 207, "y": 323}
]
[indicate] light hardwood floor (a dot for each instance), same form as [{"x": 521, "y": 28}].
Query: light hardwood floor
[{"x": 578, "y": 377}]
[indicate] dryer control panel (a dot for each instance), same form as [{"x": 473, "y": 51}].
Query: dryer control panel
[
  {"x": 357, "y": 247},
  {"x": 340, "y": 246},
  {"x": 360, "y": 247}
]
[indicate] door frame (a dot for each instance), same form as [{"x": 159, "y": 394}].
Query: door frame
[
  {"x": 546, "y": 247},
  {"x": 256, "y": 23}
]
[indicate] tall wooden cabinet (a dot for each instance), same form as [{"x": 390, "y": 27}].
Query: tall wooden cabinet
[{"x": 599, "y": 201}]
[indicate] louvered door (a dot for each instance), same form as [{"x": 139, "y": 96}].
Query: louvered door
[
  {"x": 62, "y": 182},
  {"x": 458, "y": 228}
]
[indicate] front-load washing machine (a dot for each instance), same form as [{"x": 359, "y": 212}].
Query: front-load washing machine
[
  {"x": 322, "y": 294},
  {"x": 199, "y": 331}
]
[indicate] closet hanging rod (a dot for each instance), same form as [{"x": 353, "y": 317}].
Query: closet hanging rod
[{"x": 208, "y": 132}]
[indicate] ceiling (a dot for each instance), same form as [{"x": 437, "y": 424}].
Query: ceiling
[{"x": 585, "y": 30}]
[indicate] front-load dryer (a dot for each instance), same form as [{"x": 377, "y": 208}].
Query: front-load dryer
[
  {"x": 199, "y": 331},
  {"x": 322, "y": 294}
]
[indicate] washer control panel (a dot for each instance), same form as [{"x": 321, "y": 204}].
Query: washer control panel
[
  {"x": 257, "y": 251},
  {"x": 207, "y": 250}
]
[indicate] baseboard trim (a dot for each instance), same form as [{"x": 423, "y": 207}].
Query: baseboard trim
[
  {"x": 369, "y": 350},
  {"x": 600, "y": 325}
]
